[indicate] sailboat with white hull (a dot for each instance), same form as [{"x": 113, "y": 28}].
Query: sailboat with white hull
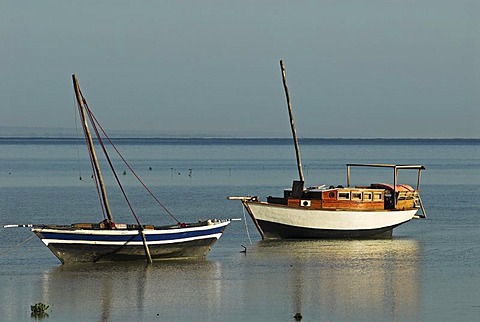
[
  {"x": 111, "y": 241},
  {"x": 370, "y": 211}
]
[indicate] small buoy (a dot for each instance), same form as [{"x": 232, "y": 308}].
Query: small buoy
[
  {"x": 124, "y": 172},
  {"x": 150, "y": 168}
]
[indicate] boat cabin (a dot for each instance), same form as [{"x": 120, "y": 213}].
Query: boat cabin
[{"x": 377, "y": 196}]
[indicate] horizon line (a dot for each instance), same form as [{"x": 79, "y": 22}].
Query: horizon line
[{"x": 235, "y": 138}]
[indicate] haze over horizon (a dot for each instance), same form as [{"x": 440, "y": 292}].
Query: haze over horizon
[{"x": 366, "y": 69}]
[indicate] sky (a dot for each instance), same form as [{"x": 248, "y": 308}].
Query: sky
[{"x": 355, "y": 69}]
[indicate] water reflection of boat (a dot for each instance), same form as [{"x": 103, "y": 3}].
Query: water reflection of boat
[
  {"x": 130, "y": 291},
  {"x": 349, "y": 280},
  {"x": 324, "y": 280}
]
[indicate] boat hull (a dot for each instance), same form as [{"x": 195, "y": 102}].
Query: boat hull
[
  {"x": 282, "y": 222},
  {"x": 102, "y": 245}
]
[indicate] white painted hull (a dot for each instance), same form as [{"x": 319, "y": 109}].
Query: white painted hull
[
  {"x": 280, "y": 221},
  {"x": 100, "y": 245}
]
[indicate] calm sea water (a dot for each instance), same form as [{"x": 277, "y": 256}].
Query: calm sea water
[{"x": 429, "y": 271}]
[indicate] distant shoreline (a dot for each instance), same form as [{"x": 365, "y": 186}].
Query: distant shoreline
[{"x": 29, "y": 133}]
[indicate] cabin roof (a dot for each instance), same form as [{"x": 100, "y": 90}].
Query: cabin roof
[{"x": 386, "y": 165}]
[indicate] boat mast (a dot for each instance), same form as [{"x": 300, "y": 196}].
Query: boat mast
[
  {"x": 292, "y": 122},
  {"x": 91, "y": 147}
]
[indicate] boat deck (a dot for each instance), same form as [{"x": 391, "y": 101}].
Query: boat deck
[{"x": 136, "y": 227}]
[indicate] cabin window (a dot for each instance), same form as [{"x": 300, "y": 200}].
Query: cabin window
[
  {"x": 377, "y": 196},
  {"x": 343, "y": 196},
  {"x": 357, "y": 196},
  {"x": 367, "y": 196}
]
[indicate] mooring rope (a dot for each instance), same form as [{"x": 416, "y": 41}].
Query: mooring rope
[
  {"x": 16, "y": 246},
  {"x": 246, "y": 226}
]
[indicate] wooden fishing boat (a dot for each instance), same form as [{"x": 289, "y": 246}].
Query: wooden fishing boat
[
  {"x": 371, "y": 211},
  {"x": 97, "y": 243},
  {"x": 110, "y": 241}
]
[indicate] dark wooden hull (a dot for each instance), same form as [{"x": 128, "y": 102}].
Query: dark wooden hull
[{"x": 68, "y": 253}]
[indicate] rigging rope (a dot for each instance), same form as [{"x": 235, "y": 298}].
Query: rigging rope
[
  {"x": 96, "y": 125},
  {"x": 95, "y": 178},
  {"x": 128, "y": 165},
  {"x": 100, "y": 140},
  {"x": 75, "y": 109}
]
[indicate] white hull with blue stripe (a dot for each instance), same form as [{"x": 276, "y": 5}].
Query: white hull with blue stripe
[
  {"x": 73, "y": 244},
  {"x": 109, "y": 241}
]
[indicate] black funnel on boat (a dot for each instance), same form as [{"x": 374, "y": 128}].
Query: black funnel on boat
[{"x": 297, "y": 189}]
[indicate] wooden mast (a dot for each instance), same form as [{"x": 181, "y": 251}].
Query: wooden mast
[
  {"x": 292, "y": 122},
  {"x": 97, "y": 166},
  {"x": 91, "y": 147}
]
